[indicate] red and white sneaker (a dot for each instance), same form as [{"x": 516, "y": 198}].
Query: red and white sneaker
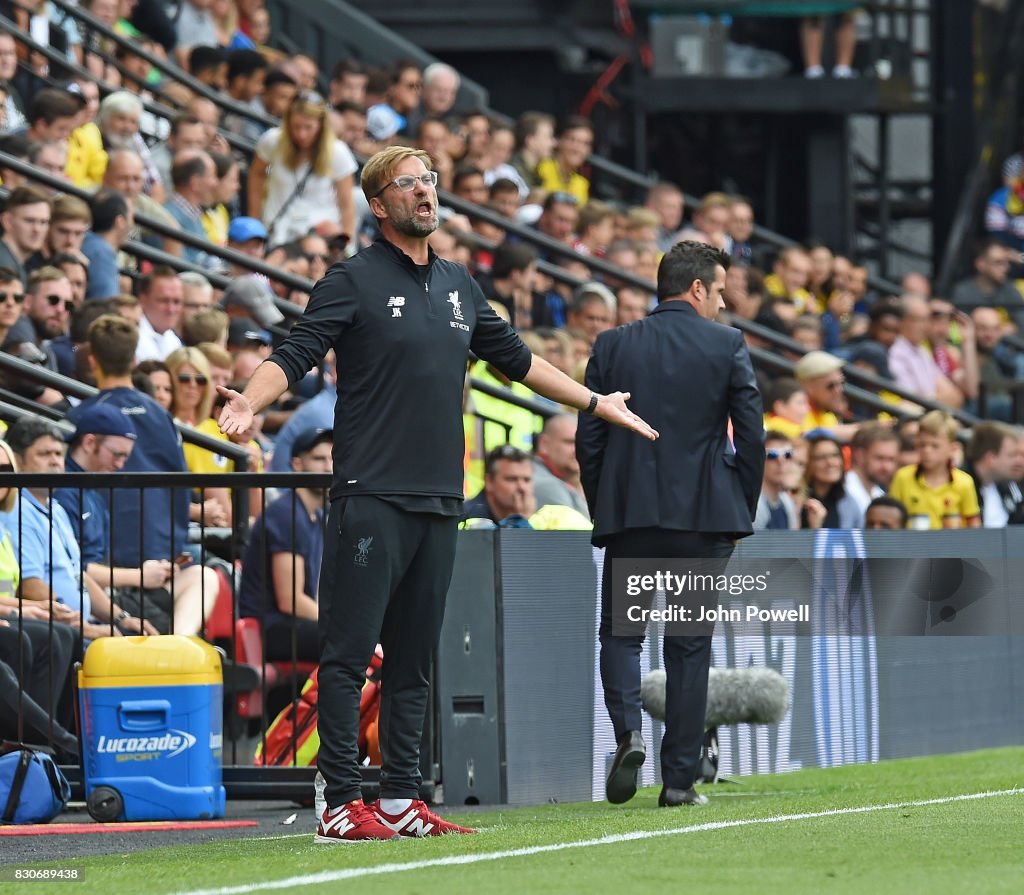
[
  {"x": 352, "y": 822},
  {"x": 419, "y": 821}
]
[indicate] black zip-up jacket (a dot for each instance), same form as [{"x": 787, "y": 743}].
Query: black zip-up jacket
[{"x": 402, "y": 338}]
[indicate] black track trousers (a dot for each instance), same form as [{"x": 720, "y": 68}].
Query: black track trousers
[{"x": 384, "y": 578}]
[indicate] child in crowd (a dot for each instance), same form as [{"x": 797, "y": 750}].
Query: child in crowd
[
  {"x": 788, "y": 407},
  {"x": 936, "y": 493}
]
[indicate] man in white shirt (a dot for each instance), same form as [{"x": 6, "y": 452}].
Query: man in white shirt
[
  {"x": 161, "y": 298},
  {"x": 991, "y": 457},
  {"x": 775, "y": 507},
  {"x": 876, "y": 451}
]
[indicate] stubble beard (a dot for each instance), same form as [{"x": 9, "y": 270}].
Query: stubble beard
[{"x": 413, "y": 226}]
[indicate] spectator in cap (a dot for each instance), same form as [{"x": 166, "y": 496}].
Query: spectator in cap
[
  {"x": 103, "y": 440},
  {"x": 243, "y": 230},
  {"x": 244, "y": 333},
  {"x": 248, "y": 236},
  {"x": 820, "y": 375},
  {"x": 251, "y": 296},
  {"x": 164, "y": 536},
  {"x": 281, "y": 567}
]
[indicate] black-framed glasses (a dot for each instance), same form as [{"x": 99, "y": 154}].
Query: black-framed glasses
[
  {"x": 188, "y": 378},
  {"x": 407, "y": 182},
  {"x": 54, "y": 300},
  {"x": 18, "y": 297},
  {"x": 773, "y": 454}
]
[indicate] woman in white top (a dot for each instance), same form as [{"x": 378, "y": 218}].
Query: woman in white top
[{"x": 301, "y": 179}]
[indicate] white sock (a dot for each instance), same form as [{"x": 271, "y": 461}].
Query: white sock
[
  {"x": 814, "y": 71},
  {"x": 395, "y": 806}
]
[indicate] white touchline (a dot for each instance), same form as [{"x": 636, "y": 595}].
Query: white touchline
[{"x": 332, "y": 876}]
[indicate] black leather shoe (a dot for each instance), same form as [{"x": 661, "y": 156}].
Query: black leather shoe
[
  {"x": 621, "y": 784},
  {"x": 673, "y": 798}
]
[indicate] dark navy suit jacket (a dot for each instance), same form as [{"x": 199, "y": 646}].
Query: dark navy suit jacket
[{"x": 688, "y": 377}]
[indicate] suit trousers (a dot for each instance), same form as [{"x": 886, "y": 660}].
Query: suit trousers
[
  {"x": 686, "y": 658},
  {"x": 384, "y": 577}
]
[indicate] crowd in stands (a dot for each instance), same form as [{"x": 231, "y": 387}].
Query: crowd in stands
[{"x": 280, "y": 185}]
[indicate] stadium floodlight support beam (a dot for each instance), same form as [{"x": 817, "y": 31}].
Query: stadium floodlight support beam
[
  {"x": 74, "y": 388},
  {"x": 160, "y": 110},
  {"x": 165, "y": 66}
]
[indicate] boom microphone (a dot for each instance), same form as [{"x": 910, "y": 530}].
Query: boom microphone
[{"x": 735, "y": 696}]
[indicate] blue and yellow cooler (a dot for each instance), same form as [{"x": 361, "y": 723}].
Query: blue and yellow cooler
[{"x": 151, "y": 713}]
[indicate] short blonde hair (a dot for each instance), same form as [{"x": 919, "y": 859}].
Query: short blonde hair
[
  {"x": 7, "y": 504},
  {"x": 379, "y": 171},
  {"x": 938, "y": 422}
]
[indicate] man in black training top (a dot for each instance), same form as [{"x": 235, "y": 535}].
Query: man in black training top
[{"x": 402, "y": 323}]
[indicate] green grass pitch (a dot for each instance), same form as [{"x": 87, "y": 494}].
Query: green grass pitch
[{"x": 749, "y": 839}]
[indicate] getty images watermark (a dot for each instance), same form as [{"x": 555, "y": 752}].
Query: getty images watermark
[{"x": 830, "y": 597}]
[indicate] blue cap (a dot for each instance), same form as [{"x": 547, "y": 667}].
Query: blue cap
[
  {"x": 102, "y": 419},
  {"x": 243, "y": 229}
]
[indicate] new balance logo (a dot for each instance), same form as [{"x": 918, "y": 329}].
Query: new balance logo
[
  {"x": 337, "y": 824},
  {"x": 411, "y": 825},
  {"x": 396, "y": 303}
]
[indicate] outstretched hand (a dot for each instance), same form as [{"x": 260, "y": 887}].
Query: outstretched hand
[
  {"x": 237, "y": 414},
  {"x": 612, "y": 408}
]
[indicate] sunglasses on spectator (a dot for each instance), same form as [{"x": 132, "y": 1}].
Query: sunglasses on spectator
[
  {"x": 835, "y": 386},
  {"x": 309, "y": 98},
  {"x": 54, "y": 300},
  {"x": 773, "y": 454},
  {"x": 316, "y": 256},
  {"x": 940, "y": 315},
  {"x": 407, "y": 182},
  {"x": 18, "y": 297},
  {"x": 187, "y": 378}
]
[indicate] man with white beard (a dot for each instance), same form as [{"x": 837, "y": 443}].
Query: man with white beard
[{"x": 119, "y": 117}]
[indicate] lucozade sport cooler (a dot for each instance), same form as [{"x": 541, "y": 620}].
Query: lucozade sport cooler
[{"x": 151, "y": 714}]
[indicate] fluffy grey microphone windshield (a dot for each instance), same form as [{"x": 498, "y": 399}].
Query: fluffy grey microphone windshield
[{"x": 735, "y": 696}]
